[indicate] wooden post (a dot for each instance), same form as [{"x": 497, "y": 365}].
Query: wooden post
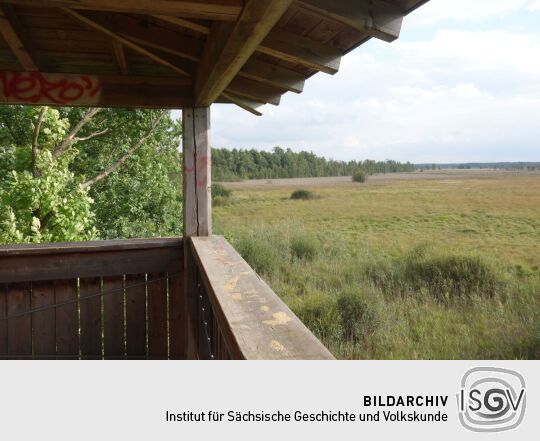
[{"x": 197, "y": 204}]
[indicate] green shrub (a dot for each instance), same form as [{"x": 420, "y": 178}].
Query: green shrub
[
  {"x": 360, "y": 313},
  {"x": 218, "y": 190},
  {"x": 320, "y": 314},
  {"x": 360, "y": 177},
  {"x": 454, "y": 276},
  {"x": 302, "y": 194},
  {"x": 220, "y": 195},
  {"x": 260, "y": 254},
  {"x": 305, "y": 247}
]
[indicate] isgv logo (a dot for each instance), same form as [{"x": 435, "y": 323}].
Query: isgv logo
[{"x": 491, "y": 399}]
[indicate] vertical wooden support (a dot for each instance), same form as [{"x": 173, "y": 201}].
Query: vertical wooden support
[
  {"x": 197, "y": 181},
  {"x": 197, "y": 203}
]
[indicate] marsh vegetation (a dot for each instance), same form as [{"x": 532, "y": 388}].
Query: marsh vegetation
[{"x": 406, "y": 269}]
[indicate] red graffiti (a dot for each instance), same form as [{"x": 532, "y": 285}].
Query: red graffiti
[
  {"x": 201, "y": 169},
  {"x": 34, "y": 87}
]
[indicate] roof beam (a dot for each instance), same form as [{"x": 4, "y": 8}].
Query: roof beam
[
  {"x": 306, "y": 52},
  {"x": 225, "y": 10},
  {"x": 15, "y": 43},
  {"x": 254, "y": 91},
  {"x": 135, "y": 47},
  {"x": 241, "y": 102},
  {"x": 297, "y": 49},
  {"x": 229, "y": 46},
  {"x": 377, "y": 18},
  {"x": 254, "y": 69},
  {"x": 273, "y": 75},
  {"x": 59, "y": 89}
]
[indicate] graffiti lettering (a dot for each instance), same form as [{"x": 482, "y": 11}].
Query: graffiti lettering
[
  {"x": 35, "y": 88},
  {"x": 201, "y": 169}
]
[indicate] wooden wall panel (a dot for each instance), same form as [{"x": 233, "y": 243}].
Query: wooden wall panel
[
  {"x": 136, "y": 317},
  {"x": 3, "y": 321},
  {"x": 91, "y": 326},
  {"x": 44, "y": 322},
  {"x": 113, "y": 317},
  {"x": 67, "y": 320},
  {"x": 157, "y": 316},
  {"x": 19, "y": 328},
  {"x": 178, "y": 317}
]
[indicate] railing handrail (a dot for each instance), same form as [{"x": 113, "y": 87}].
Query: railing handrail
[
  {"x": 89, "y": 246},
  {"x": 57, "y": 261},
  {"x": 254, "y": 321}
]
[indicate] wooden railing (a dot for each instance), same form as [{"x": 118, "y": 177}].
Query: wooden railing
[
  {"x": 142, "y": 299},
  {"x": 239, "y": 316},
  {"x": 93, "y": 300}
]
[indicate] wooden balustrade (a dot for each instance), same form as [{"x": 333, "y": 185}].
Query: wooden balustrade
[
  {"x": 93, "y": 300},
  {"x": 126, "y": 299}
]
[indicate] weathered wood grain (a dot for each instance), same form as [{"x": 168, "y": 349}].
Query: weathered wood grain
[
  {"x": 255, "y": 323},
  {"x": 21, "y": 263}
]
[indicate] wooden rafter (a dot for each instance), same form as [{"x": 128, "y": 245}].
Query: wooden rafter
[
  {"x": 241, "y": 102},
  {"x": 15, "y": 43},
  {"x": 120, "y": 57},
  {"x": 291, "y": 47},
  {"x": 227, "y": 10},
  {"x": 92, "y": 24},
  {"x": 286, "y": 46},
  {"x": 203, "y": 29},
  {"x": 190, "y": 49},
  {"x": 229, "y": 46},
  {"x": 377, "y": 18}
]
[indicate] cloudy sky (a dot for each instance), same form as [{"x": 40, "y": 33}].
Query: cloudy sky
[{"x": 461, "y": 84}]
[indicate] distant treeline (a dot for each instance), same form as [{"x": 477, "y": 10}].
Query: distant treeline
[
  {"x": 233, "y": 165},
  {"x": 483, "y": 165}
]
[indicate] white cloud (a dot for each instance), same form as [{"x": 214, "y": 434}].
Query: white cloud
[
  {"x": 534, "y": 6},
  {"x": 436, "y": 11},
  {"x": 454, "y": 94}
]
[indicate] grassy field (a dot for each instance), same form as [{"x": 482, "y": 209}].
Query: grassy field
[{"x": 441, "y": 265}]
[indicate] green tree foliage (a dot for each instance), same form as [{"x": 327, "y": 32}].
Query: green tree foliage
[
  {"x": 231, "y": 165},
  {"x": 77, "y": 174}
]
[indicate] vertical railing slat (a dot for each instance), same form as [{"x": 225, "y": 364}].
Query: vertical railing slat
[
  {"x": 43, "y": 322},
  {"x": 91, "y": 332},
  {"x": 19, "y": 328},
  {"x": 3, "y": 323},
  {"x": 136, "y": 316},
  {"x": 113, "y": 312},
  {"x": 178, "y": 320},
  {"x": 67, "y": 319},
  {"x": 157, "y": 316}
]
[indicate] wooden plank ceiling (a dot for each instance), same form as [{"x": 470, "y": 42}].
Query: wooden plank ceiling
[{"x": 180, "y": 53}]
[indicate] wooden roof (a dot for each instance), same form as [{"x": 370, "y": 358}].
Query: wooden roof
[{"x": 180, "y": 53}]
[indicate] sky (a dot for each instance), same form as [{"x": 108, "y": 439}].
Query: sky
[{"x": 462, "y": 84}]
